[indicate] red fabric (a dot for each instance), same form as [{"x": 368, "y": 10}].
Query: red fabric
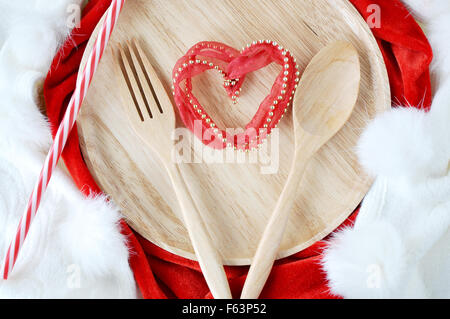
[
  {"x": 160, "y": 274},
  {"x": 234, "y": 66}
]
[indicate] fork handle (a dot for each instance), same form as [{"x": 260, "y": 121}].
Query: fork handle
[
  {"x": 267, "y": 250},
  {"x": 209, "y": 259}
]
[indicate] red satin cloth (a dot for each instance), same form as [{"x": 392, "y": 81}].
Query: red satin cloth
[{"x": 160, "y": 274}]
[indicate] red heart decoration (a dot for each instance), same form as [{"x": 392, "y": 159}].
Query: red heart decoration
[{"x": 234, "y": 65}]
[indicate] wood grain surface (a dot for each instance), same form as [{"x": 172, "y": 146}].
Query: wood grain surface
[{"x": 235, "y": 199}]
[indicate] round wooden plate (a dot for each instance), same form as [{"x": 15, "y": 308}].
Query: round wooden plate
[{"x": 235, "y": 199}]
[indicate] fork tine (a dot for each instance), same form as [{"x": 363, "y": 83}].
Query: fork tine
[
  {"x": 150, "y": 96},
  {"x": 132, "y": 85},
  {"x": 127, "y": 95},
  {"x": 163, "y": 98}
]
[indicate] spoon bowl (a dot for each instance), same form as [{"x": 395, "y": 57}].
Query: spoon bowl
[{"x": 326, "y": 95}]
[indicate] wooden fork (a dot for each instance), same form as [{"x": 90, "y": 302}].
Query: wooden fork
[{"x": 150, "y": 112}]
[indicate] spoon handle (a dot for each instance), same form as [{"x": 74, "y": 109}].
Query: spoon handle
[{"x": 273, "y": 233}]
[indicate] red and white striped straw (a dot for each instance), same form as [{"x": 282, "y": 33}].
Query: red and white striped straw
[{"x": 82, "y": 85}]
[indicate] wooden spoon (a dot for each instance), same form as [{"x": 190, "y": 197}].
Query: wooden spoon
[{"x": 323, "y": 103}]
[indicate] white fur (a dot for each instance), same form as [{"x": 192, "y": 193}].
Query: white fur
[
  {"x": 399, "y": 246},
  {"x": 74, "y": 248},
  {"x": 386, "y": 143}
]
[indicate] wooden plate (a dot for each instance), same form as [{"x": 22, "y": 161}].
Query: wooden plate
[{"x": 235, "y": 199}]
